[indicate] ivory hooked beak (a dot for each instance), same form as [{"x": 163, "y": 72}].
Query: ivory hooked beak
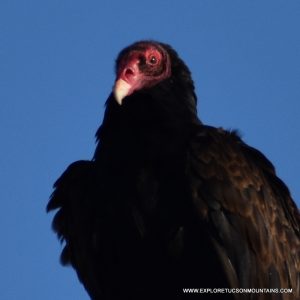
[{"x": 121, "y": 90}]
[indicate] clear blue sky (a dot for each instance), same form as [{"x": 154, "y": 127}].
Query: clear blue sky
[{"x": 56, "y": 71}]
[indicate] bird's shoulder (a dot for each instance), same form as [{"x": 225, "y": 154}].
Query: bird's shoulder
[{"x": 222, "y": 158}]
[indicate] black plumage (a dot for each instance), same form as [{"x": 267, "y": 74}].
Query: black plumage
[{"x": 169, "y": 203}]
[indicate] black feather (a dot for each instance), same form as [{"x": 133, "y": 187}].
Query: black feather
[{"x": 168, "y": 203}]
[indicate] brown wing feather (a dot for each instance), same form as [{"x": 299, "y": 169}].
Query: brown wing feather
[{"x": 248, "y": 211}]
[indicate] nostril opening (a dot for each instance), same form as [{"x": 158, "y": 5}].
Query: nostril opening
[{"x": 128, "y": 72}]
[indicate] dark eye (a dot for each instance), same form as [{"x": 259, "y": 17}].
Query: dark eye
[{"x": 153, "y": 60}]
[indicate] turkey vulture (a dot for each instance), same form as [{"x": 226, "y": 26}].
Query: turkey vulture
[{"x": 169, "y": 204}]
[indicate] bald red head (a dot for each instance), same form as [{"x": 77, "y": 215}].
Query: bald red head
[{"x": 140, "y": 66}]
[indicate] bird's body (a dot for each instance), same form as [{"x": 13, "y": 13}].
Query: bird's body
[{"x": 168, "y": 203}]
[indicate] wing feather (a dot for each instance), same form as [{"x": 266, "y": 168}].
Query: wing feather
[
  {"x": 247, "y": 210},
  {"x": 73, "y": 196}
]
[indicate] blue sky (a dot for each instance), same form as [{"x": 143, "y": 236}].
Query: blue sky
[{"x": 56, "y": 71}]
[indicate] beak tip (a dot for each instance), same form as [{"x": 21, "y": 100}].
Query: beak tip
[{"x": 121, "y": 90}]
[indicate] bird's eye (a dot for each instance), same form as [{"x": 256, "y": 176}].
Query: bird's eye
[{"x": 153, "y": 60}]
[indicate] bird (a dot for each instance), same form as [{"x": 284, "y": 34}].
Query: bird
[{"x": 169, "y": 207}]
